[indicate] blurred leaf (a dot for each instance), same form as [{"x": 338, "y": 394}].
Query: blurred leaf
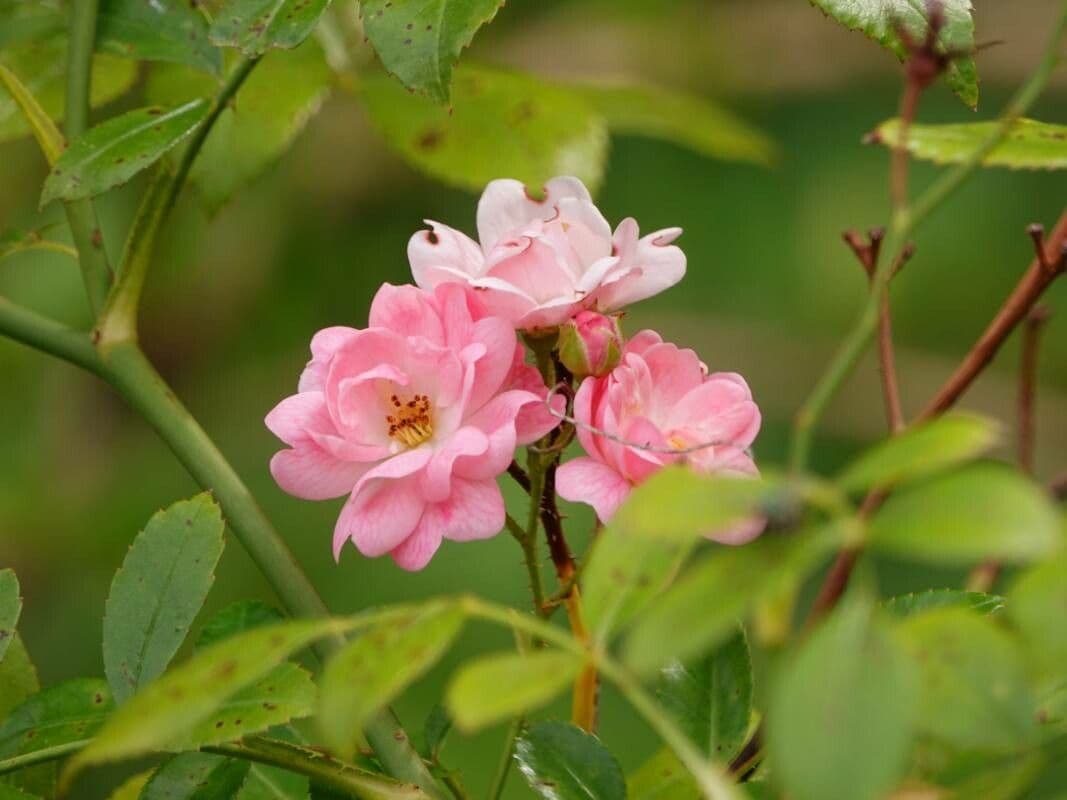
[
  {"x": 10, "y": 608},
  {"x": 652, "y": 533},
  {"x": 975, "y": 693},
  {"x": 1038, "y": 599},
  {"x": 131, "y": 788},
  {"x": 21, "y": 21},
  {"x": 685, "y": 623},
  {"x": 500, "y": 124},
  {"x": 255, "y": 26},
  {"x": 505, "y": 685},
  {"x": 840, "y": 722},
  {"x": 285, "y": 694},
  {"x": 160, "y": 30},
  {"x": 562, "y": 762},
  {"x": 662, "y": 777},
  {"x": 434, "y": 730},
  {"x": 921, "y": 450},
  {"x": 419, "y": 41},
  {"x": 712, "y": 698},
  {"x": 1029, "y": 144},
  {"x": 11, "y": 793},
  {"x": 624, "y": 574},
  {"x": 905, "y": 605},
  {"x": 878, "y": 20},
  {"x": 13, "y": 242},
  {"x": 369, "y": 672},
  {"x": 981, "y": 512},
  {"x": 111, "y": 153},
  {"x": 1008, "y": 780},
  {"x": 196, "y": 776},
  {"x": 49, "y": 139},
  {"x": 68, "y": 712},
  {"x": 679, "y": 503},
  {"x": 272, "y": 108},
  {"x": 171, "y": 707},
  {"x": 683, "y": 119},
  {"x": 18, "y": 678},
  {"x": 158, "y": 592},
  {"x": 41, "y": 66},
  {"x": 244, "y": 615}
]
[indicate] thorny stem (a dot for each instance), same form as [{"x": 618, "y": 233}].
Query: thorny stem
[
  {"x": 81, "y": 214},
  {"x": 711, "y": 779},
  {"x": 904, "y": 224},
  {"x": 324, "y": 770}
]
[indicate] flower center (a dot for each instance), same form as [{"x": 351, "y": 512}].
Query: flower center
[{"x": 411, "y": 422}]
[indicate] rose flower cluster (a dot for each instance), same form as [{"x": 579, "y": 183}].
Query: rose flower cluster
[{"x": 415, "y": 416}]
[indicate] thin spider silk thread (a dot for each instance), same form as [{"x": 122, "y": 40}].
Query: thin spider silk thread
[{"x": 669, "y": 451}]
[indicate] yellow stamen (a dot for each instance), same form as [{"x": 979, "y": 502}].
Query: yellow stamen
[{"x": 412, "y": 422}]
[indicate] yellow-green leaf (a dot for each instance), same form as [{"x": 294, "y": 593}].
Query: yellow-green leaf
[
  {"x": 922, "y": 450},
  {"x": 254, "y": 26},
  {"x": 505, "y": 685},
  {"x": 49, "y": 139},
  {"x": 1029, "y": 144},
  {"x": 981, "y": 512},
  {"x": 370, "y": 671}
]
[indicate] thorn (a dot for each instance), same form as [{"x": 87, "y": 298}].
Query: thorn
[
  {"x": 1036, "y": 232},
  {"x": 1038, "y": 316}
]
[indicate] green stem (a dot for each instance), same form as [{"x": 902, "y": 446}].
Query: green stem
[
  {"x": 712, "y": 779},
  {"x": 324, "y": 770},
  {"x": 222, "y": 101},
  {"x": 530, "y": 557},
  {"x": 905, "y": 223},
  {"x": 81, "y": 214},
  {"x": 41, "y": 756},
  {"x": 32, "y": 329},
  {"x": 134, "y": 377},
  {"x": 496, "y": 788}
]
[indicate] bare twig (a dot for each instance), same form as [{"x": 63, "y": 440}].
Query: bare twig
[
  {"x": 867, "y": 253},
  {"x": 1048, "y": 265},
  {"x": 985, "y": 575}
]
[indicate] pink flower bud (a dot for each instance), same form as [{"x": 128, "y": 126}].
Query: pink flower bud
[{"x": 590, "y": 344}]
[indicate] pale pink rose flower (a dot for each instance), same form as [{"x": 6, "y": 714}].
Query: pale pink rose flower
[
  {"x": 413, "y": 417},
  {"x": 660, "y": 396},
  {"x": 538, "y": 262}
]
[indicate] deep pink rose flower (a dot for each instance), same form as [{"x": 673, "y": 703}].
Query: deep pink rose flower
[
  {"x": 659, "y": 396},
  {"x": 414, "y": 418},
  {"x": 540, "y": 261}
]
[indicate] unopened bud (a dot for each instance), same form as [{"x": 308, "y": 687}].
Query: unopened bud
[{"x": 590, "y": 344}]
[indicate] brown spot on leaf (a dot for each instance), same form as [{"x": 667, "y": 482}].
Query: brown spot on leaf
[{"x": 429, "y": 140}]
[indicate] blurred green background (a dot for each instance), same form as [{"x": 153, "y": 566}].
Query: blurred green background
[{"x": 770, "y": 289}]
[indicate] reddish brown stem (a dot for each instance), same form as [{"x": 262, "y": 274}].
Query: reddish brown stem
[
  {"x": 1044, "y": 269},
  {"x": 867, "y": 253},
  {"x": 985, "y": 575},
  {"x": 898, "y": 176},
  {"x": 1049, "y": 262},
  {"x": 1035, "y": 323}
]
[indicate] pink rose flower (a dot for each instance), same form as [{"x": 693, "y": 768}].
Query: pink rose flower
[
  {"x": 659, "y": 396},
  {"x": 540, "y": 261},
  {"x": 413, "y": 418}
]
